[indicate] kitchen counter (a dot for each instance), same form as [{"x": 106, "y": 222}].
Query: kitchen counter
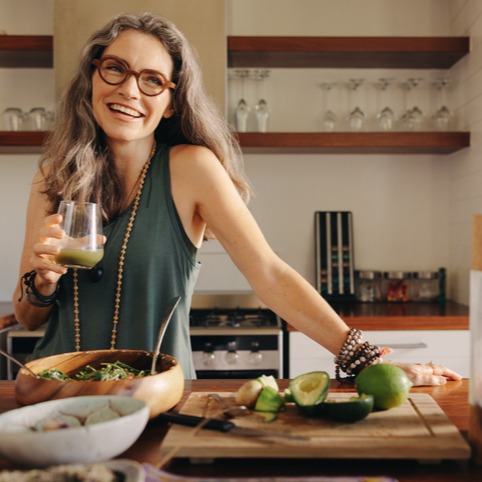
[
  {"x": 452, "y": 398},
  {"x": 403, "y": 316}
]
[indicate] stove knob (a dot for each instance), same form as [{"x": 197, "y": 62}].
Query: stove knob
[
  {"x": 208, "y": 358},
  {"x": 232, "y": 357},
  {"x": 255, "y": 357}
]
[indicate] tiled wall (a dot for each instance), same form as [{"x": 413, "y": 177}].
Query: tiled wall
[{"x": 465, "y": 167}]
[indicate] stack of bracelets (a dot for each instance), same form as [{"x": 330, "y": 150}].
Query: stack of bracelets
[
  {"x": 354, "y": 356},
  {"x": 34, "y": 297}
]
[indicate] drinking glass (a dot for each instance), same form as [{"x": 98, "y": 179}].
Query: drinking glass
[
  {"x": 356, "y": 118},
  {"x": 13, "y": 119},
  {"x": 412, "y": 119},
  {"x": 328, "y": 122},
  {"x": 242, "y": 109},
  {"x": 442, "y": 119},
  {"x": 385, "y": 117},
  {"x": 261, "y": 108},
  {"x": 38, "y": 118},
  {"x": 83, "y": 243}
]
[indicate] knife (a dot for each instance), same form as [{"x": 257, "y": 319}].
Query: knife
[{"x": 226, "y": 426}]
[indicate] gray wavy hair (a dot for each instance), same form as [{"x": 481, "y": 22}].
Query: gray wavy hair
[{"x": 76, "y": 152}]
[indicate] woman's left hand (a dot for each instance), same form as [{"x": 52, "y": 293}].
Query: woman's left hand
[{"x": 428, "y": 373}]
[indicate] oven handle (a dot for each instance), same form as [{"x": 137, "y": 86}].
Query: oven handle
[{"x": 398, "y": 346}]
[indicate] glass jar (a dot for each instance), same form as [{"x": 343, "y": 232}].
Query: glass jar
[
  {"x": 368, "y": 286},
  {"x": 396, "y": 286},
  {"x": 425, "y": 286}
]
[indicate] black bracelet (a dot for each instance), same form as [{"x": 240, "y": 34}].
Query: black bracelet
[{"x": 34, "y": 297}]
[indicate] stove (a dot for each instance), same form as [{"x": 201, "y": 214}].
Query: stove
[{"x": 235, "y": 336}]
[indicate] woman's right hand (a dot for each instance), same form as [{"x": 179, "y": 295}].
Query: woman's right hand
[{"x": 45, "y": 249}]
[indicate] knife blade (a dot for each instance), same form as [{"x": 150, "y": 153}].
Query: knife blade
[{"x": 227, "y": 426}]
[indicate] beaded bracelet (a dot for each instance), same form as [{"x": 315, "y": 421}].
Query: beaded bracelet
[
  {"x": 34, "y": 297},
  {"x": 355, "y": 355}
]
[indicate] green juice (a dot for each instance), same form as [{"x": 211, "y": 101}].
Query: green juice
[{"x": 79, "y": 258}]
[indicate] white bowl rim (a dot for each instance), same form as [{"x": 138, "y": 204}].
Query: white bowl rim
[{"x": 139, "y": 405}]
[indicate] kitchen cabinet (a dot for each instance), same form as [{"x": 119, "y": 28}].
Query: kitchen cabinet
[
  {"x": 418, "y": 332},
  {"x": 447, "y": 347},
  {"x": 353, "y": 52},
  {"x": 294, "y": 52}
]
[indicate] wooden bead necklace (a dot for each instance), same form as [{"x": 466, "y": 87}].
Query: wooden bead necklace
[{"x": 120, "y": 268}]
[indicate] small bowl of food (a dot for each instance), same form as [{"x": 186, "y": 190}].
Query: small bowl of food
[
  {"x": 103, "y": 372},
  {"x": 82, "y": 430}
]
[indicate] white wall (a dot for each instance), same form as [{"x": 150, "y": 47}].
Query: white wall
[
  {"x": 465, "y": 172},
  {"x": 24, "y": 88},
  {"x": 400, "y": 203}
]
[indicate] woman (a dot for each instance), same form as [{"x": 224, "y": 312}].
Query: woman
[{"x": 136, "y": 133}]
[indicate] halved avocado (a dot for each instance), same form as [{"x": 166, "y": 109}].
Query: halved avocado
[
  {"x": 309, "y": 391},
  {"x": 350, "y": 410}
]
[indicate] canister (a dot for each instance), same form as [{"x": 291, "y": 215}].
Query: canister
[
  {"x": 396, "y": 286},
  {"x": 368, "y": 285},
  {"x": 425, "y": 286}
]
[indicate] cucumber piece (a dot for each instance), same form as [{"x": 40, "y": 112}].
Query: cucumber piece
[
  {"x": 267, "y": 416},
  {"x": 309, "y": 391},
  {"x": 269, "y": 400},
  {"x": 288, "y": 395},
  {"x": 268, "y": 381}
]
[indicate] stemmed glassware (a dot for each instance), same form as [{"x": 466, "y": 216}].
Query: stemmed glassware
[
  {"x": 385, "y": 118},
  {"x": 412, "y": 119},
  {"x": 329, "y": 119},
  {"x": 356, "y": 118},
  {"x": 242, "y": 108},
  {"x": 442, "y": 119},
  {"x": 261, "y": 108}
]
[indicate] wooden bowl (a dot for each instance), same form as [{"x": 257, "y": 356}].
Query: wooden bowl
[{"x": 161, "y": 391}]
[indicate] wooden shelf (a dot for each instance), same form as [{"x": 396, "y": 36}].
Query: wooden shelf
[
  {"x": 354, "y": 142},
  {"x": 403, "y": 316},
  {"x": 22, "y": 142},
  {"x": 342, "y": 52},
  {"x": 22, "y": 51}
]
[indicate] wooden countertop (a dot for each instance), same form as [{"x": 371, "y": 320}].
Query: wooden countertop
[
  {"x": 403, "y": 316},
  {"x": 452, "y": 398}
]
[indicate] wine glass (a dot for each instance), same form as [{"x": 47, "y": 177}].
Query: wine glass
[
  {"x": 413, "y": 117},
  {"x": 328, "y": 122},
  {"x": 385, "y": 117},
  {"x": 242, "y": 109},
  {"x": 83, "y": 243},
  {"x": 261, "y": 108},
  {"x": 442, "y": 119},
  {"x": 356, "y": 118}
]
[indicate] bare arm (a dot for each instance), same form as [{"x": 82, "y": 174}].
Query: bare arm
[
  {"x": 36, "y": 255},
  {"x": 207, "y": 193}
]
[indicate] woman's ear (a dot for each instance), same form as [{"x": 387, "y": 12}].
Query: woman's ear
[{"x": 169, "y": 112}]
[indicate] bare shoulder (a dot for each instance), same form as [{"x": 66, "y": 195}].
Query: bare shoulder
[{"x": 194, "y": 157}]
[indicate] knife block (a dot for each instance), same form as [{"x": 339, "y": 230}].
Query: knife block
[{"x": 334, "y": 258}]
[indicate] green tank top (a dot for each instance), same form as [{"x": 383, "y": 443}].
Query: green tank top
[{"x": 160, "y": 263}]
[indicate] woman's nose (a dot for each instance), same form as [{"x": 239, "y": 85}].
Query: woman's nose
[{"x": 129, "y": 88}]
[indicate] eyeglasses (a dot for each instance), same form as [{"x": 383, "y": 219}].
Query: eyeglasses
[{"x": 115, "y": 71}]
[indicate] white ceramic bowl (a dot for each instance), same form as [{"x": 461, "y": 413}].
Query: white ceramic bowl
[{"x": 84, "y": 444}]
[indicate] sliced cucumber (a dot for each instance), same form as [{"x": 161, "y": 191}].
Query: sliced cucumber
[
  {"x": 267, "y": 416},
  {"x": 269, "y": 400},
  {"x": 268, "y": 381},
  {"x": 309, "y": 391}
]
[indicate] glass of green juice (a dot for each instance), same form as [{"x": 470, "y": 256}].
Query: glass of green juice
[{"x": 83, "y": 243}]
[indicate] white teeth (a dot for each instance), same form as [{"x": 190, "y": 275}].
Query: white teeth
[{"x": 125, "y": 110}]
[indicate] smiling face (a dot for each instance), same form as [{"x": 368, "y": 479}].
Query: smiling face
[{"x": 122, "y": 111}]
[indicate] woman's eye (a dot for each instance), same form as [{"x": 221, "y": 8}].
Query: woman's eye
[
  {"x": 153, "y": 79},
  {"x": 115, "y": 68}
]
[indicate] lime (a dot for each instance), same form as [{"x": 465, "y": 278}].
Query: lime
[
  {"x": 388, "y": 384},
  {"x": 349, "y": 410}
]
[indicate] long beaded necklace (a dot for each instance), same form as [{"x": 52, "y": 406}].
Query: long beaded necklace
[{"x": 120, "y": 266}]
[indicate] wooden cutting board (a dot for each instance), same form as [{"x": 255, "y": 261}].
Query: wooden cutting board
[{"x": 418, "y": 429}]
